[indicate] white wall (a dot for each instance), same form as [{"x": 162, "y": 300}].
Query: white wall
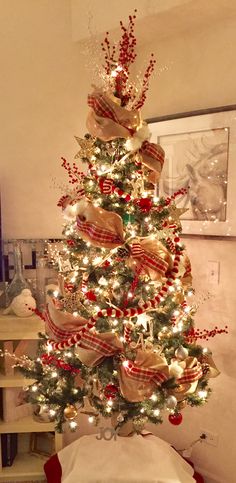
[
  {"x": 40, "y": 111},
  {"x": 199, "y": 70}
]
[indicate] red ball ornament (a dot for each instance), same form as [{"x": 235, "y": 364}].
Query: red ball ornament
[
  {"x": 106, "y": 264},
  {"x": 90, "y": 295},
  {"x": 175, "y": 418},
  {"x": 145, "y": 204},
  {"x": 110, "y": 391}
]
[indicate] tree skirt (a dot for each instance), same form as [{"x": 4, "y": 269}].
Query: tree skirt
[{"x": 136, "y": 459}]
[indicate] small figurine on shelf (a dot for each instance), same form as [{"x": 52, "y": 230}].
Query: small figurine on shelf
[{"x": 21, "y": 304}]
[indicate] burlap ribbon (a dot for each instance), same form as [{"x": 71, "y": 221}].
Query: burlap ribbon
[
  {"x": 100, "y": 227},
  {"x": 152, "y": 255},
  {"x": 107, "y": 121},
  {"x": 139, "y": 379},
  {"x": 60, "y": 324},
  {"x": 189, "y": 379},
  {"x": 94, "y": 347}
]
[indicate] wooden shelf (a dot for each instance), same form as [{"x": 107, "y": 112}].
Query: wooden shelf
[
  {"x": 18, "y": 328},
  {"x": 15, "y": 380},
  {"x": 26, "y": 425},
  {"x": 25, "y": 467}
]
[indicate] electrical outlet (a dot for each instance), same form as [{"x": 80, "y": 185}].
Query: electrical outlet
[{"x": 209, "y": 438}]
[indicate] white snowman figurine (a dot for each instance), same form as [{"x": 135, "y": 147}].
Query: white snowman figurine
[{"x": 21, "y": 304}]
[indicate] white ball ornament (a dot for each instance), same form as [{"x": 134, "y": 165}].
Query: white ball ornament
[
  {"x": 181, "y": 353},
  {"x": 171, "y": 402}
]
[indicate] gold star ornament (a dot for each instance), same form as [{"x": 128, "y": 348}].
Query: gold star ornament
[
  {"x": 175, "y": 213},
  {"x": 87, "y": 147}
]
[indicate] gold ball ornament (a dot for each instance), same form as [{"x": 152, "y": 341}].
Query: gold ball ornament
[
  {"x": 70, "y": 412},
  {"x": 182, "y": 404},
  {"x": 165, "y": 333},
  {"x": 139, "y": 424}
]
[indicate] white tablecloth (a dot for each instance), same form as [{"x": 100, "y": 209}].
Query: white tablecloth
[{"x": 136, "y": 459}]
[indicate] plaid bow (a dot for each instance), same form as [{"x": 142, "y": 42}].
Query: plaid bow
[
  {"x": 144, "y": 375},
  {"x": 153, "y": 151},
  {"x": 97, "y": 233},
  {"x": 191, "y": 375},
  {"x": 149, "y": 259},
  {"x": 101, "y": 107}
]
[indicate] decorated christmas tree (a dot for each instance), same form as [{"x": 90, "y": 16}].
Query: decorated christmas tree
[{"x": 121, "y": 341}]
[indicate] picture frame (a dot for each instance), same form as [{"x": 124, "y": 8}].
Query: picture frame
[{"x": 200, "y": 155}]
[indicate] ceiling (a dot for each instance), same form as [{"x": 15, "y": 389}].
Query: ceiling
[{"x": 156, "y": 19}]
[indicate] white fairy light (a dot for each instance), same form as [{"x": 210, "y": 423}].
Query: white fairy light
[
  {"x": 202, "y": 394},
  {"x": 176, "y": 312},
  {"x": 110, "y": 403},
  {"x": 156, "y": 412},
  {"x": 102, "y": 281},
  {"x": 54, "y": 374},
  {"x": 91, "y": 419},
  {"x": 125, "y": 363},
  {"x": 55, "y": 293},
  {"x": 108, "y": 409},
  {"x": 142, "y": 410},
  {"x": 115, "y": 322},
  {"x": 97, "y": 260},
  {"x": 75, "y": 314},
  {"x": 52, "y": 412},
  {"x": 73, "y": 424},
  {"x": 34, "y": 388},
  {"x": 153, "y": 397},
  {"x": 187, "y": 310},
  {"x": 49, "y": 347},
  {"x": 85, "y": 260}
]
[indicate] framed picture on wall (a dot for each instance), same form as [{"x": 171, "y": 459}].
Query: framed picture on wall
[{"x": 200, "y": 154}]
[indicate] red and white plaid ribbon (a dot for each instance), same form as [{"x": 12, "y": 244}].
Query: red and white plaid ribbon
[
  {"x": 97, "y": 233},
  {"x": 144, "y": 375},
  {"x": 93, "y": 342},
  {"x": 149, "y": 259},
  {"x": 101, "y": 107},
  {"x": 190, "y": 375},
  {"x": 153, "y": 151},
  {"x": 58, "y": 333}
]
